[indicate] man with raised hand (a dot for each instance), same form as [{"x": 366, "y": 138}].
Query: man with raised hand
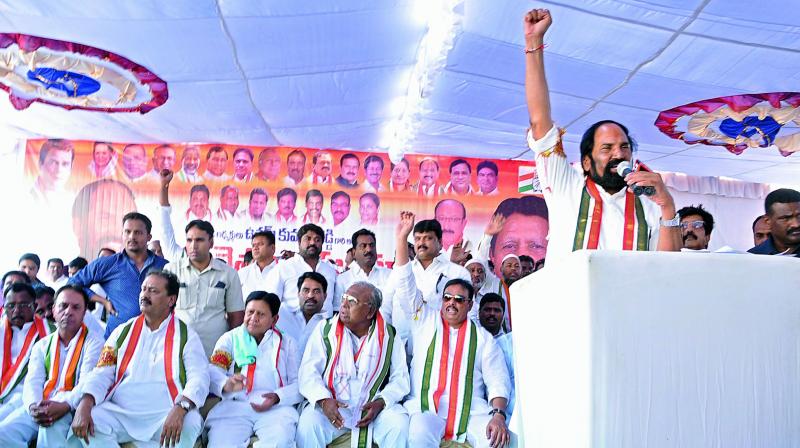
[
  {"x": 459, "y": 380},
  {"x": 20, "y": 328},
  {"x": 151, "y": 377},
  {"x": 596, "y": 209},
  {"x": 57, "y": 364}
]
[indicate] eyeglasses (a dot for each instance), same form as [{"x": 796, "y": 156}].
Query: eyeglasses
[
  {"x": 22, "y": 306},
  {"x": 693, "y": 225},
  {"x": 458, "y": 298}
]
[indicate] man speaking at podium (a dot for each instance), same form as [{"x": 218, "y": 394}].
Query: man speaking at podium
[{"x": 596, "y": 210}]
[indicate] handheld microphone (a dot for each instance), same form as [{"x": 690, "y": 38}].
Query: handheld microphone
[{"x": 623, "y": 169}]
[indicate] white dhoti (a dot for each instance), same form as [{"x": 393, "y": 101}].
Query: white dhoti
[
  {"x": 109, "y": 430},
  {"x": 231, "y": 423},
  {"x": 427, "y": 429},
  {"x": 11, "y": 402},
  {"x": 389, "y": 429}
]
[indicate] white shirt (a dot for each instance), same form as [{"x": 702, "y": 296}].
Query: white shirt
[
  {"x": 247, "y": 220},
  {"x": 283, "y": 281},
  {"x": 37, "y": 375},
  {"x": 142, "y": 400},
  {"x": 563, "y": 185},
  {"x": 57, "y": 283},
  {"x": 17, "y": 341},
  {"x": 253, "y": 278},
  {"x": 291, "y": 322},
  {"x": 183, "y": 176},
  {"x": 378, "y": 276},
  {"x": 211, "y": 177},
  {"x": 431, "y": 280}
]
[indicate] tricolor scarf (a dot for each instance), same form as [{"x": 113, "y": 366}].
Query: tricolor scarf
[
  {"x": 459, "y": 384},
  {"x": 245, "y": 356},
  {"x": 57, "y": 379},
  {"x": 371, "y": 363},
  {"x": 128, "y": 342},
  {"x": 14, "y": 370},
  {"x": 506, "y": 294},
  {"x": 591, "y": 211}
]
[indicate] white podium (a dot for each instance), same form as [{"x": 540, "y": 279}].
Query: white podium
[{"x": 625, "y": 349}]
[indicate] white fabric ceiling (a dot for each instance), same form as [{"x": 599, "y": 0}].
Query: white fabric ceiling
[{"x": 335, "y": 74}]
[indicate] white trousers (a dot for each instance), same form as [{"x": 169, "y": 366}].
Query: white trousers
[
  {"x": 427, "y": 429},
  {"x": 109, "y": 432},
  {"x": 389, "y": 429},
  {"x": 18, "y": 429},
  {"x": 274, "y": 428},
  {"x": 12, "y": 401}
]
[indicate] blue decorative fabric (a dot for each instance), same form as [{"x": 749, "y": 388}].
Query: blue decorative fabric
[
  {"x": 71, "y": 83},
  {"x": 750, "y": 126}
]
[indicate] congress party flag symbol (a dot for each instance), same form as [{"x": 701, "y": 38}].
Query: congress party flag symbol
[
  {"x": 739, "y": 122},
  {"x": 75, "y": 76},
  {"x": 528, "y": 181}
]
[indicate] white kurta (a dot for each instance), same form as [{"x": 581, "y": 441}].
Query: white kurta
[
  {"x": 293, "y": 323},
  {"x": 283, "y": 281},
  {"x": 277, "y": 425},
  {"x": 142, "y": 400},
  {"x": 378, "y": 276},
  {"x": 563, "y": 185},
  {"x": 14, "y": 397},
  {"x": 253, "y": 278}
]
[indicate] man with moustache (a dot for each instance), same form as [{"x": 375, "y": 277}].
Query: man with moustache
[
  {"x": 190, "y": 165},
  {"x": 595, "y": 210},
  {"x": 314, "y": 203},
  {"x": 483, "y": 281},
  {"x": 269, "y": 165},
  {"x": 299, "y": 322},
  {"x": 459, "y": 381},
  {"x": 782, "y": 208},
  {"x": 452, "y": 215},
  {"x": 57, "y": 365},
  {"x": 216, "y": 164},
  {"x": 283, "y": 279},
  {"x": 121, "y": 275},
  {"x": 256, "y": 216},
  {"x": 210, "y": 297},
  {"x": 487, "y": 178},
  {"x": 460, "y": 177},
  {"x": 373, "y": 171},
  {"x": 228, "y": 202},
  {"x": 433, "y": 268},
  {"x": 340, "y": 207},
  {"x": 243, "y": 164},
  {"x": 151, "y": 377},
  {"x": 696, "y": 227},
  {"x": 321, "y": 169},
  {"x": 21, "y": 328},
  {"x": 348, "y": 170},
  {"x": 428, "y": 178},
  {"x": 364, "y": 268},
  {"x": 287, "y": 200},
  {"x": 527, "y": 264},
  {"x": 490, "y": 314},
  {"x": 295, "y": 169}
]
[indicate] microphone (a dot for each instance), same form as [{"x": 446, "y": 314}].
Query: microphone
[{"x": 623, "y": 169}]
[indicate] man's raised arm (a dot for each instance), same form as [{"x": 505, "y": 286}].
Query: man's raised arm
[{"x": 537, "y": 95}]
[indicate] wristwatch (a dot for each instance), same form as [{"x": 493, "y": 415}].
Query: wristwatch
[
  {"x": 674, "y": 222},
  {"x": 185, "y": 404},
  {"x": 498, "y": 411}
]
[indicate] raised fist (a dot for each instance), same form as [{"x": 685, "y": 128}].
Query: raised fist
[{"x": 536, "y": 23}]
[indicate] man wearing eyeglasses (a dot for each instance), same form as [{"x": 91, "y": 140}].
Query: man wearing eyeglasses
[
  {"x": 696, "y": 226},
  {"x": 459, "y": 381},
  {"x": 20, "y": 329}
]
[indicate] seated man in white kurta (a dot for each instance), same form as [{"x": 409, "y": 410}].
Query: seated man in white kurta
[
  {"x": 254, "y": 370},
  {"x": 354, "y": 376},
  {"x": 57, "y": 363},
  {"x": 151, "y": 377},
  {"x": 468, "y": 404},
  {"x": 20, "y": 329}
]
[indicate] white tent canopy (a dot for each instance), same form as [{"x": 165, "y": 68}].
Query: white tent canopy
[{"x": 447, "y": 74}]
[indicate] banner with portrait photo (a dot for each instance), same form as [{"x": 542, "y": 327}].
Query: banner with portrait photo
[{"x": 80, "y": 190}]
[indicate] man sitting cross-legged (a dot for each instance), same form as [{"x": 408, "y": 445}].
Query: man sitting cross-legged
[
  {"x": 57, "y": 364},
  {"x": 254, "y": 370},
  {"x": 151, "y": 377}
]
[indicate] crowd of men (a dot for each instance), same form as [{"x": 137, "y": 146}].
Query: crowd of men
[{"x": 132, "y": 347}]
